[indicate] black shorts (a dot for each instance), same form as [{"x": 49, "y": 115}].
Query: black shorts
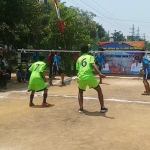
[
  {"x": 100, "y": 68},
  {"x": 57, "y": 72},
  {"x": 146, "y": 76}
]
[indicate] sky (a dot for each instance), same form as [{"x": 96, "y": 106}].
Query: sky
[{"x": 118, "y": 15}]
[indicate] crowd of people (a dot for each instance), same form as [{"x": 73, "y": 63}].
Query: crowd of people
[{"x": 5, "y": 73}]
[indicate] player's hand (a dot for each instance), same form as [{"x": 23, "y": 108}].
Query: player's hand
[
  {"x": 102, "y": 75},
  {"x": 141, "y": 69}
]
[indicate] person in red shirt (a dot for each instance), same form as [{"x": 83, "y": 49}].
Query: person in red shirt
[{"x": 50, "y": 63}]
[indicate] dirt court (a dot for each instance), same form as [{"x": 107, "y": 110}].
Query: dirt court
[{"x": 126, "y": 126}]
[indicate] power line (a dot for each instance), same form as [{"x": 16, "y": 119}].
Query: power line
[
  {"x": 102, "y": 14},
  {"x": 107, "y": 11},
  {"x": 125, "y": 20},
  {"x": 105, "y": 17}
]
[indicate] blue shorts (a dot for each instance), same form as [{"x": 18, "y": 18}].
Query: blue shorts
[{"x": 146, "y": 76}]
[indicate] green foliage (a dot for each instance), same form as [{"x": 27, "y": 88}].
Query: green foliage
[
  {"x": 118, "y": 36},
  {"x": 32, "y": 24}
]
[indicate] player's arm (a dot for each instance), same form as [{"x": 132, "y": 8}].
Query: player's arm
[
  {"x": 43, "y": 76},
  {"x": 97, "y": 70},
  {"x": 31, "y": 68},
  {"x": 146, "y": 62},
  {"x": 41, "y": 70},
  {"x": 95, "y": 67},
  {"x": 77, "y": 67}
]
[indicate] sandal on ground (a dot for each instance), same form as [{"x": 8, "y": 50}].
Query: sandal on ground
[
  {"x": 145, "y": 93},
  {"x": 31, "y": 104},
  {"x": 46, "y": 104}
]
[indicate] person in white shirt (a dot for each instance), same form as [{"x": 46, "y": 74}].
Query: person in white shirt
[
  {"x": 106, "y": 67},
  {"x": 136, "y": 66}
]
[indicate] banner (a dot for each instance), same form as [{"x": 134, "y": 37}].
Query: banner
[
  {"x": 122, "y": 62},
  {"x": 125, "y": 45}
]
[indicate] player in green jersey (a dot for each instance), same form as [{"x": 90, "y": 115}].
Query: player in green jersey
[
  {"x": 84, "y": 66},
  {"x": 37, "y": 81}
]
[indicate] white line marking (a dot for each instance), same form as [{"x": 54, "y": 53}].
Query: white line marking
[
  {"x": 75, "y": 77},
  {"x": 74, "y": 96},
  {"x": 113, "y": 99}
]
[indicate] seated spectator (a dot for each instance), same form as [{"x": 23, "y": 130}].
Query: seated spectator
[
  {"x": 21, "y": 74},
  {"x": 3, "y": 75}
]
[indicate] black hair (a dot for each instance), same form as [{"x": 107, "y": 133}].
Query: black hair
[
  {"x": 84, "y": 49},
  {"x": 41, "y": 58},
  {"x": 136, "y": 58}
]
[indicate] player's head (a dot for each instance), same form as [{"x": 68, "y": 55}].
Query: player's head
[
  {"x": 41, "y": 58},
  {"x": 84, "y": 49}
]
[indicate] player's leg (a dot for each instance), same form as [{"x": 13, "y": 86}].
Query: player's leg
[
  {"x": 146, "y": 84},
  {"x": 53, "y": 74},
  {"x": 100, "y": 68},
  {"x": 82, "y": 86},
  {"x": 50, "y": 71},
  {"x": 80, "y": 100},
  {"x": 94, "y": 84},
  {"x": 31, "y": 98},
  {"x": 45, "y": 104},
  {"x": 62, "y": 75},
  {"x": 19, "y": 78}
]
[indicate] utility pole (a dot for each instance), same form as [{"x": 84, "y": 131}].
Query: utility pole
[
  {"x": 108, "y": 35},
  {"x": 138, "y": 33},
  {"x": 144, "y": 36},
  {"x": 132, "y": 32}
]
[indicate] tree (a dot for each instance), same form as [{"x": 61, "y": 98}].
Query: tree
[
  {"x": 101, "y": 32},
  {"x": 118, "y": 36}
]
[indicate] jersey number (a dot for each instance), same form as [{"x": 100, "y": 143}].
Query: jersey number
[
  {"x": 37, "y": 65},
  {"x": 84, "y": 63}
]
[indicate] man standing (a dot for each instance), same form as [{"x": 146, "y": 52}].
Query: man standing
[
  {"x": 146, "y": 76},
  {"x": 101, "y": 60},
  {"x": 50, "y": 63},
  {"x": 57, "y": 69},
  {"x": 84, "y": 66},
  {"x": 37, "y": 81},
  {"x": 3, "y": 76}
]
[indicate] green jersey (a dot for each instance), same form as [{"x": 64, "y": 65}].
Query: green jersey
[
  {"x": 36, "y": 69},
  {"x": 84, "y": 67}
]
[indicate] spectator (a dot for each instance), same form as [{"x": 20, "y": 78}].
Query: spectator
[
  {"x": 21, "y": 74},
  {"x": 101, "y": 60},
  {"x": 50, "y": 64},
  {"x": 146, "y": 76},
  {"x": 3, "y": 76},
  {"x": 57, "y": 69}
]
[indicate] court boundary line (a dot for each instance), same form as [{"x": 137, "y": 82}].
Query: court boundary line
[
  {"x": 107, "y": 99},
  {"x": 85, "y": 97}
]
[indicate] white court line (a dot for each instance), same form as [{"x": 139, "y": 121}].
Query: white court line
[
  {"x": 113, "y": 99},
  {"x": 75, "y": 77},
  {"x": 86, "y": 98}
]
